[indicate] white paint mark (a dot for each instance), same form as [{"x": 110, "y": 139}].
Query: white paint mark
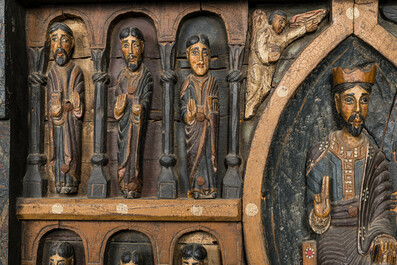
[
  {"x": 57, "y": 208},
  {"x": 122, "y": 208},
  {"x": 352, "y": 13},
  {"x": 197, "y": 210},
  {"x": 251, "y": 209},
  {"x": 282, "y": 91}
]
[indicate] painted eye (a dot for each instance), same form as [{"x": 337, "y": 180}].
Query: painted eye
[
  {"x": 364, "y": 100},
  {"x": 349, "y": 100},
  {"x": 195, "y": 52},
  {"x": 125, "y": 45}
]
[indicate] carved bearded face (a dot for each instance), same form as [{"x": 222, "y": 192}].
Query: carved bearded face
[
  {"x": 352, "y": 104},
  {"x": 191, "y": 261},
  {"x": 132, "y": 49},
  {"x": 279, "y": 23},
  {"x": 198, "y": 56},
  {"x": 58, "y": 260},
  {"x": 61, "y": 46}
]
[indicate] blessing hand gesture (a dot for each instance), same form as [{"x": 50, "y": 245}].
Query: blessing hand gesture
[{"x": 322, "y": 206}]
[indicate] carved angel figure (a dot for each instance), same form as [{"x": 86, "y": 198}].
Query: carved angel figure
[{"x": 270, "y": 36}]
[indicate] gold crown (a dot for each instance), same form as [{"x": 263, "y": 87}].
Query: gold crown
[{"x": 364, "y": 75}]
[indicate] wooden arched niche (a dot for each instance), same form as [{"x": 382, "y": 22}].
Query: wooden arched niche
[
  {"x": 203, "y": 237},
  {"x": 128, "y": 240},
  {"x": 308, "y": 118},
  {"x": 57, "y": 236},
  {"x": 213, "y": 26},
  {"x": 81, "y": 56},
  {"x": 151, "y": 58}
]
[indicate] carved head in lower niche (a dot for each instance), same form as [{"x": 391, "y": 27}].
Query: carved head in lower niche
[
  {"x": 278, "y": 21},
  {"x": 132, "y": 46},
  {"x": 61, "y": 42},
  {"x": 198, "y": 54},
  {"x": 194, "y": 254},
  {"x": 131, "y": 257},
  {"x": 352, "y": 89},
  {"x": 61, "y": 254}
]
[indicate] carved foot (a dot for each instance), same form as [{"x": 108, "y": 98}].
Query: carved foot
[{"x": 203, "y": 194}]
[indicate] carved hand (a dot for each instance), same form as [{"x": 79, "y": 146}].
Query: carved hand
[
  {"x": 322, "y": 206},
  {"x": 311, "y": 27},
  {"x": 384, "y": 250},
  {"x": 191, "y": 110},
  {"x": 274, "y": 54},
  {"x": 136, "y": 109},
  {"x": 56, "y": 107},
  {"x": 76, "y": 100},
  {"x": 121, "y": 103}
]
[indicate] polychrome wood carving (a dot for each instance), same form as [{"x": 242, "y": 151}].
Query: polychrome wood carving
[
  {"x": 61, "y": 253},
  {"x": 200, "y": 113},
  {"x": 194, "y": 254},
  {"x": 348, "y": 186},
  {"x": 66, "y": 109},
  {"x": 269, "y": 39},
  {"x": 133, "y": 91}
]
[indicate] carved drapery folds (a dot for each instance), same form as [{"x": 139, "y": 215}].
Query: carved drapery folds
[
  {"x": 35, "y": 180},
  {"x": 167, "y": 184},
  {"x": 98, "y": 184}
]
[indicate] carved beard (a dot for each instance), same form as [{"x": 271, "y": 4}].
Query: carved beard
[
  {"x": 63, "y": 59},
  {"x": 355, "y": 131},
  {"x": 133, "y": 66}
]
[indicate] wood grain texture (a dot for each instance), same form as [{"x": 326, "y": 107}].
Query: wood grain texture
[{"x": 121, "y": 209}]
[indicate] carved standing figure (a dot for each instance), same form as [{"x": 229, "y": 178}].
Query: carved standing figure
[
  {"x": 131, "y": 258},
  {"x": 200, "y": 113},
  {"x": 61, "y": 253},
  {"x": 269, "y": 39},
  {"x": 348, "y": 187},
  {"x": 134, "y": 93},
  {"x": 194, "y": 254},
  {"x": 66, "y": 107}
]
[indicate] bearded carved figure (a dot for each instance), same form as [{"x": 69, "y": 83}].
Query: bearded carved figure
[
  {"x": 200, "y": 114},
  {"x": 348, "y": 187},
  {"x": 65, "y": 110},
  {"x": 133, "y": 91}
]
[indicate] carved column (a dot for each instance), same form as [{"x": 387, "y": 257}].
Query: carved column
[
  {"x": 98, "y": 184},
  {"x": 167, "y": 184},
  {"x": 232, "y": 181},
  {"x": 35, "y": 180}
]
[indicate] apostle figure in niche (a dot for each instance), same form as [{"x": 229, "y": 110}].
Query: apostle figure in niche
[
  {"x": 61, "y": 254},
  {"x": 131, "y": 258},
  {"x": 348, "y": 187},
  {"x": 194, "y": 254},
  {"x": 200, "y": 114},
  {"x": 269, "y": 39},
  {"x": 66, "y": 107},
  {"x": 133, "y": 92}
]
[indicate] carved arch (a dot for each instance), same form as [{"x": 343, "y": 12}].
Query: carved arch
[
  {"x": 177, "y": 236},
  {"x": 112, "y": 19},
  {"x": 51, "y": 228},
  {"x": 121, "y": 228},
  {"x": 366, "y": 27}
]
